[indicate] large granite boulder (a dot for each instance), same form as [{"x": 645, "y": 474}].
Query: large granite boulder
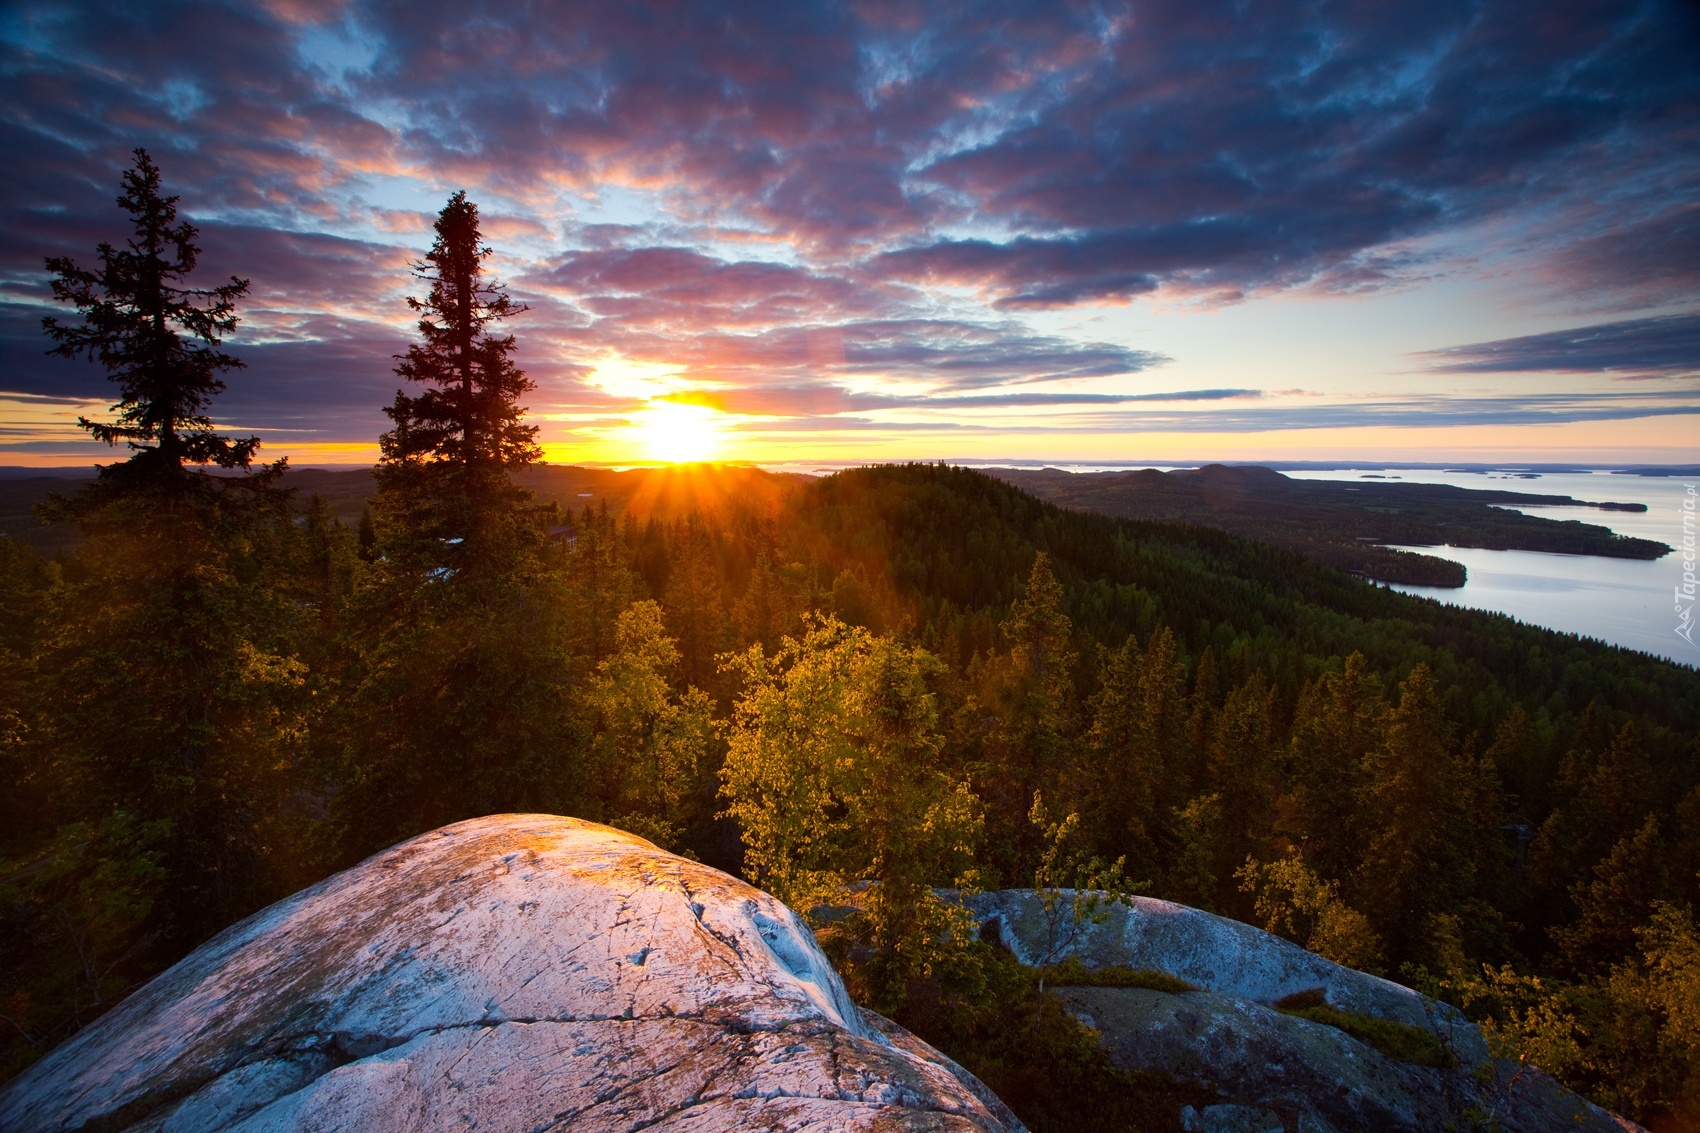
[
  {"x": 517, "y": 972},
  {"x": 1267, "y": 1068}
]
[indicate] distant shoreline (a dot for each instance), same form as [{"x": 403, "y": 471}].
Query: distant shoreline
[{"x": 87, "y": 471}]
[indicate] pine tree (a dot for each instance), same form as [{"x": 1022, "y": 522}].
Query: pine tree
[
  {"x": 767, "y": 611},
  {"x": 696, "y": 603},
  {"x": 158, "y": 338},
  {"x": 1137, "y": 776},
  {"x": 466, "y": 667},
  {"x": 1617, "y": 901},
  {"x": 170, "y": 691},
  {"x": 1415, "y": 796},
  {"x": 1607, "y": 797},
  {"x": 1029, "y": 696},
  {"x": 1241, "y": 771},
  {"x": 444, "y": 473},
  {"x": 1340, "y": 720},
  {"x": 599, "y": 585}
]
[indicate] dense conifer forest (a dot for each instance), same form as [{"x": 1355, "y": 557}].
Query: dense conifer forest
[{"x": 916, "y": 676}]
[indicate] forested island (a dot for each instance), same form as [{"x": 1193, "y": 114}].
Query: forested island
[
  {"x": 1342, "y": 524},
  {"x": 872, "y": 685}
]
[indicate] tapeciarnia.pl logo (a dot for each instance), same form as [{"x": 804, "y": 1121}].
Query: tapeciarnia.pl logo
[{"x": 1685, "y": 590}]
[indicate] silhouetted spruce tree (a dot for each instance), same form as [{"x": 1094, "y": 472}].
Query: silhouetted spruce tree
[
  {"x": 465, "y": 661},
  {"x": 443, "y": 479},
  {"x": 158, "y": 338},
  {"x": 168, "y": 693}
]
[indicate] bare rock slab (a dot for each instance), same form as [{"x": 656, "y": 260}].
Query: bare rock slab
[{"x": 516, "y": 972}]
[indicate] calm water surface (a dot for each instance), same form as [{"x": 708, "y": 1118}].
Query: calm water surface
[{"x": 1626, "y": 602}]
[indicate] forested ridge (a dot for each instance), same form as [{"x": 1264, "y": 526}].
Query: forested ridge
[{"x": 915, "y": 676}]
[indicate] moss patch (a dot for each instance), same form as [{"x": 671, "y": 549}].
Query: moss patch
[
  {"x": 1396, "y": 1040},
  {"x": 1072, "y": 973}
]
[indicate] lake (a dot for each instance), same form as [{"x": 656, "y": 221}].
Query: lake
[{"x": 1625, "y": 602}]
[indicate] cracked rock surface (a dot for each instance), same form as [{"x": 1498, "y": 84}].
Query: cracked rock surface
[
  {"x": 516, "y": 972},
  {"x": 1269, "y": 1070}
]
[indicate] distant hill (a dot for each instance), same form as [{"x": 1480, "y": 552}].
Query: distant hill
[
  {"x": 1342, "y": 524},
  {"x": 666, "y": 492}
]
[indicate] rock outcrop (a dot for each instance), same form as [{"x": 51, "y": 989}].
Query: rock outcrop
[
  {"x": 518, "y": 972},
  {"x": 1272, "y": 1070}
]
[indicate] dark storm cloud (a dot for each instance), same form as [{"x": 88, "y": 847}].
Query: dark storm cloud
[
  {"x": 1668, "y": 346},
  {"x": 902, "y": 161}
]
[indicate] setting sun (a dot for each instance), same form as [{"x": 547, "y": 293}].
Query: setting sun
[{"x": 679, "y": 433}]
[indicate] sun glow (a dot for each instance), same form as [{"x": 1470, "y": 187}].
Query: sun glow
[{"x": 679, "y": 433}]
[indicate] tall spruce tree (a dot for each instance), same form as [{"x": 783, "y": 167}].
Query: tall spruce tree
[
  {"x": 444, "y": 472},
  {"x": 157, "y": 337},
  {"x": 167, "y": 698},
  {"x": 462, "y": 632}
]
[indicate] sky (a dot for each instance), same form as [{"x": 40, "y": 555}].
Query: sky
[{"x": 1166, "y": 231}]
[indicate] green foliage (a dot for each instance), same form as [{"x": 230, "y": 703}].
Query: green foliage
[
  {"x": 86, "y": 900},
  {"x": 832, "y": 771},
  {"x": 1076, "y": 889},
  {"x": 1138, "y": 772},
  {"x": 1022, "y": 718},
  {"x": 1293, "y": 901},
  {"x": 651, "y": 746},
  {"x": 458, "y": 700},
  {"x": 156, "y": 704},
  {"x": 213, "y": 701},
  {"x": 1341, "y": 718},
  {"x": 696, "y": 603},
  {"x": 1629, "y": 1037}
]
